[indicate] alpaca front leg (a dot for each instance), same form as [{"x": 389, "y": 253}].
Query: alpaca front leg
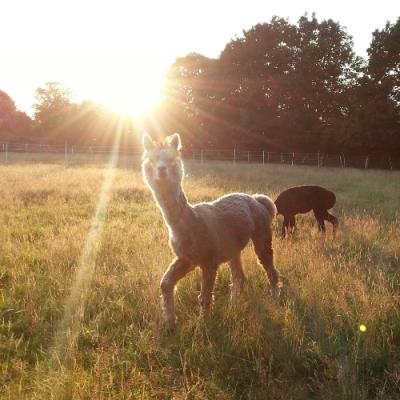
[
  {"x": 292, "y": 224},
  {"x": 176, "y": 271},
  {"x": 207, "y": 286},
  {"x": 238, "y": 278},
  {"x": 285, "y": 226}
]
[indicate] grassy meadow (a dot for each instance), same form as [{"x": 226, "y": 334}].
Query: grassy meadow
[{"x": 81, "y": 261}]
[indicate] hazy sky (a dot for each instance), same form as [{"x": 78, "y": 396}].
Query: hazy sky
[{"x": 117, "y": 51}]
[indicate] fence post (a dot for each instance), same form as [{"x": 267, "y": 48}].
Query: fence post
[
  {"x": 390, "y": 163},
  {"x": 234, "y": 155},
  {"x": 344, "y": 161},
  {"x": 366, "y": 162},
  {"x": 263, "y": 157},
  {"x": 268, "y": 157},
  {"x": 6, "y": 152},
  {"x": 292, "y": 159},
  {"x": 248, "y": 156},
  {"x": 65, "y": 153},
  {"x": 318, "y": 159},
  {"x": 202, "y": 156}
]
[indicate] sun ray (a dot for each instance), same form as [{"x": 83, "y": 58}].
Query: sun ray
[
  {"x": 218, "y": 120},
  {"x": 70, "y": 325}
]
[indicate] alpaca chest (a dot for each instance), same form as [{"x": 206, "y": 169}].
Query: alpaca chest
[{"x": 191, "y": 248}]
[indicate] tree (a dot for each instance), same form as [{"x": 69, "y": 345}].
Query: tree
[
  {"x": 280, "y": 86},
  {"x": 189, "y": 96},
  {"x": 292, "y": 80},
  {"x": 373, "y": 123},
  {"x": 256, "y": 68},
  {"x": 384, "y": 60},
  {"x": 14, "y": 124},
  {"x": 60, "y": 120},
  {"x": 54, "y": 111},
  {"x": 325, "y": 69},
  {"x": 384, "y": 71}
]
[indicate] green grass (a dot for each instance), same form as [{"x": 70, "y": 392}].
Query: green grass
[{"x": 106, "y": 338}]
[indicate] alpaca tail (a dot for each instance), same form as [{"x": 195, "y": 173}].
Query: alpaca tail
[{"x": 267, "y": 203}]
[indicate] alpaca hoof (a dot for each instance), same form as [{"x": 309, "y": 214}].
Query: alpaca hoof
[
  {"x": 205, "y": 312},
  {"x": 276, "y": 290},
  {"x": 205, "y": 317},
  {"x": 171, "y": 324},
  {"x": 276, "y": 293},
  {"x": 234, "y": 298},
  {"x": 235, "y": 295}
]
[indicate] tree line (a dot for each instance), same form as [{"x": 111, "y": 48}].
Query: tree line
[
  {"x": 58, "y": 120},
  {"x": 279, "y": 86}
]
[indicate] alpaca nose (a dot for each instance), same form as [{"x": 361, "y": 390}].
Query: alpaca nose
[{"x": 162, "y": 172}]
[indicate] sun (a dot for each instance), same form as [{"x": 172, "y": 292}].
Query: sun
[
  {"x": 134, "y": 99},
  {"x": 129, "y": 88}
]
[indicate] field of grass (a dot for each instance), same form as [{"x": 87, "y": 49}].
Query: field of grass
[{"x": 80, "y": 265}]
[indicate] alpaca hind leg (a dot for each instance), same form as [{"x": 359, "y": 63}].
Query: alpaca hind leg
[
  {"x": 265, "y": 254},
  {"x": 207, "y": 285},
  {"x": 333, "y": 220},
  {"x": 319, "y": 216},
  {"x": 238, "y": 277},
  {"x": 176, "y": 271}
]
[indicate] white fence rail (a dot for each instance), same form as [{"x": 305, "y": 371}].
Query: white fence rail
[{"x": 10, "y": 152}]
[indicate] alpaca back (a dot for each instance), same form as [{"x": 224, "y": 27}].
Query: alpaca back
[
  {"x": 302, "y": 199},
  {"x": 231, "y": 221},
  {"x": 229, "y": 224}
]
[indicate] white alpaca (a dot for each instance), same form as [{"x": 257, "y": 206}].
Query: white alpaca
[{"x": 205, "y": 234}]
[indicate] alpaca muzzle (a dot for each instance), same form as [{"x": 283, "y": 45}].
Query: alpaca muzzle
[{"x": 162, "y": 172}]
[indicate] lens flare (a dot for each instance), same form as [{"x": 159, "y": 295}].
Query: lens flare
[{"x": 70, "y": 325}]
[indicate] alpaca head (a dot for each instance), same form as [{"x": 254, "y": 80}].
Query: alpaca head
[{"x": 162, "y": 165}]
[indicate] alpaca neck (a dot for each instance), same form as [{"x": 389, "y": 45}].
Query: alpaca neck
[{"x": 174, "y": 206}]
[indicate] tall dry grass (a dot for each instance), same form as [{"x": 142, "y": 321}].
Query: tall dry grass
[{"x": 91, "y": 327}]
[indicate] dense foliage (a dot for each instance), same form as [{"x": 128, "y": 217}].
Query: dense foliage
[{"x": 292, "y": 87}]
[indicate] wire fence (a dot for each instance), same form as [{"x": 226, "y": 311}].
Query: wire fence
[
  {"x": 20, "y": 152},
  {"x": 296, "y": 158}
]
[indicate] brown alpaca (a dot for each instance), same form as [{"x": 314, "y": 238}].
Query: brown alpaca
[
  {"x": 205, "y": 234},
  {"x": 302, "y": 199}
]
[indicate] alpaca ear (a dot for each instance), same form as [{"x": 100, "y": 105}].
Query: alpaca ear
[
  {"x": 148, "y": 143},
  {"x": 175, "y": 141}
]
